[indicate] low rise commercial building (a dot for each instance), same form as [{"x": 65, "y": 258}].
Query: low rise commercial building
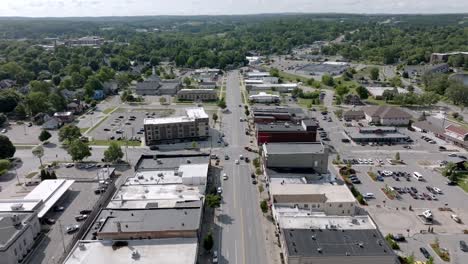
[
  {"x": 65, "y": 117},
  {"x": 257, "y": 75},
  {"x": 313, "y": 156},
  {"x": 263, "y": 97},
  {"x": 154, "y": 85},
  {"x": 386, "y": 115},
  {"x": 353, "y": 115},
  {"x": 443, "y": 57},
  {"x": 88, "y": 41},
  {"x": 277, "y": 87},
  {"x": 457, "y": 135},
  {"x": 277, "y": 114},
  {"x": 377, "y": 91},
  {"x": 305, "y": 131},
  {"x": 333, "y": 240},
  {"x": 194, "y": 125},
  {"x": 376, "y": 135},
  {"x": 147, "y": 251},
  {"x": 330, "y": 68},
  {"x": 197, "y": 95},
  {"x": 19, "y": 228},
  {"x": 326, "y": 198}
]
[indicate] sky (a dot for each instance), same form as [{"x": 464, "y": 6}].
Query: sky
[{"x": 80, "y": 8}]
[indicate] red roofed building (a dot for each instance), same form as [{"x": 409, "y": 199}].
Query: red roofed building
[{"x": 457, "y": 132}]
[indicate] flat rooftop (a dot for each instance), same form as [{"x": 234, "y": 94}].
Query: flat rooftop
[
  {"x": 15, "y": 205},
  {"x": 296, "y": 175},
  {"x": 302, "y": 220},
  {"x": 155, "y": 196},
  {"x": 49, "y": 191},
  {"x": 355, "y": 134},
  {"x": 279, "y": 127},
  {"x": 7, "y": 229},
  {"x": 320, "y": 193},
  {"x": 150, "y": 220},
  {"x": 167, "y": 120},
  {"x": 293, "y": 148},
  {"x": 166, "y": 162},
  {"x": 331, "y": 242},
  {"x": 163, "y": 251}
]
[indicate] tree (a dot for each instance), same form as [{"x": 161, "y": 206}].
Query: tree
[
  {"x": 78, "y": 150},
  {"x": 3, "y": 119},
  {"x": 208, "y": 242},
  {"x": 374, "y": 73},
  {"x": 123, "y": 80},
  {"x": 92, "y": 84},
  {"x": 215, "y": 117},
  {"x": 55, "y": 66},
  {"x": 113, "y": 153},
  {"x": 37, "y": 102},
  {"x": 7, "y": 150},
  {"x": 328, "y": 80},
  {"x": 38, "y": 152},
  {"x": 264, "y": 206},
  {"x": 247, "y": 112},
  {"x": 274, "y": 72},
  {"x": 45, "y": 135},
  {"x": 194, "y": 144},
  {"x": 4, "y": 166},
  {"x": 405, "y": 75},
  {"x": 362, "y": 92},
  {"x": 69, "y": 133},
  {"x": 396, "y": 82},
  {"x": 449, "y": 171},
  {"x": 9, "y": 99},
  {"x": 77, "y": 80},
  {"x": 162, "y": 100},
  {"x": 457, "y": 93},
  {"x": 389, "y": 94},
  {"x": 187, "y": 81},
  {"x": 341, "y": 90},
  {"x": 222, "y": 103},
  {"x": 397, "y": 156},
  {"x": 57, "y": 102},
  {"x": 213, "y": 200}
]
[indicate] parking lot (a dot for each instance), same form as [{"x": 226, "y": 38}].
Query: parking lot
[
  {"x": 24, "y": 134},
  {"x": 126, "y": 123},
  {"x": 79, "y": 197}
]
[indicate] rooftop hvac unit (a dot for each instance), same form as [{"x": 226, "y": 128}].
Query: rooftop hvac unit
[
  {"x": 81, "y": 246},
  {"x": 160, "y": 174},
  {"x": 15, "y": 220},
  {"x": 17, "y": 207},
  {"x": 159, "y": 161},
  {"x": 135, "y": 254},
  {"x": 189, "y": 161}
]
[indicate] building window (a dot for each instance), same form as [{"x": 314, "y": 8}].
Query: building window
[
  {"x": 306, "y": 206},
  {"x": 340, "y": 205}
]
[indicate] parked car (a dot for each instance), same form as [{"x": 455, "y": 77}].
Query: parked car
[
  {"x": 219, "y": 190},
  {"x": 425, "y": 252},
  {"x": 58, "y": 208},
  {"x": 455, "y": 218},
  {"x": 72, "y": 228},
  {"x": 49, "y": 221},
  {"x": 399, "y": 237},
  {"x": 215, "y": 257},
  {"x": 81, "y": 217},
  {"x": 86, "y": 212},
  {"x": 463, "y": 246},
  {"x": 369, "y": 196}
]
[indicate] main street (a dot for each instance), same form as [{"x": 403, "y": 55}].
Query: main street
[{"x": 241, "y": 237}]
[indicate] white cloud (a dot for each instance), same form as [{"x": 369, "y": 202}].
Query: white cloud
[{"x": 61, "y": 8}]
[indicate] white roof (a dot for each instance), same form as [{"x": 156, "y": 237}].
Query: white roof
[
  {"x": 11, "y": 205},
  {"x": 258, "y": 74},
  {"x": 333, "y": 193},
  {"x": 138, "y": 196},
  {"x": 263, "y": 95},
  {"x": 161, "y": 251},
  {"x": 249, "y": 81},
  {"x": 336, "y": 63},
  {"x": 49, "y": 191},
  {"x": 378, "y": 91},
  {"x": 191, "y": 115},
  {"x": 301, "y": 220},
  {"x": 196, "y": 112},
  {"x": 194, "y": 170},
  {"x": 279, "y": 85}
]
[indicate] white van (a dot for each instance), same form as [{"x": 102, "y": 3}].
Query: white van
[{"x": 418, "y": 176}]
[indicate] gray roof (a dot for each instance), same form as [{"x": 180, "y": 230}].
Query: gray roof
[
  {"x": 7, "y": 229},
  {"x": 306, "y": 242},
  {"x": 276, "y": 109},
  {"x": 170, "y": 161},
  {"x": 197, "y": 91},
  {"x": 151, "y": 219},
  {"x": 310, "y": 122},
  {"x": 294, "y": 148},
  {"x": 384, "y": 111},
  {"x": 428, "y": 126},
  {"x": 352, "y": 113},
  {"x": 279, "y": 127}
]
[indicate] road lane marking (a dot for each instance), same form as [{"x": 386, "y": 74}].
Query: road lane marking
[
  {"x": 235, "y": 250},
  {"x": 243, "y": 236}
]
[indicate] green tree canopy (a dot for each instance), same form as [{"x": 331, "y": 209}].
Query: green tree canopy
[
  {"x": 7, "y": 149},
  {"x": 374, "y": 73},
  {"x": 78, "y": 150},
  {"x": 45, "y": 135},
  {"x": 69, "y": 132},
  {"x": 113, "y": 153}
]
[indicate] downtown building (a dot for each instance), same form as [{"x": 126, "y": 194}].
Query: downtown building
[
  {"x": 194, "y": 125},
  {"x": 154, "y": 217}
]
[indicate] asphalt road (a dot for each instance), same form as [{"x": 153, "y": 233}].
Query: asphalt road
[{"x": 240, "y": 237}]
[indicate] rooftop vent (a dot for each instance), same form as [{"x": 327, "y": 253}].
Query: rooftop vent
[
  {"x": 189, "y": 161},
  {"x": 81, "y": 246},
  {"x": 347, "y": 254},
  {"x": 15, "y": 220},
  {"x": 135, "y": 254},
  {"x": 313, "y": 237},
  {"x": 319, "y": 250},
  {"x": 159, "y": 161},
  {"x": 361, "y": 245},
  {"x": 160, "y": 174},
  {"x": 17, "y": 207}
]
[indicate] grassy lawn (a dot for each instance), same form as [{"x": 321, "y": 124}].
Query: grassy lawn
[
  {"x": 108, "y": 110},
  {"x": 305, "y": 102},
  {"x": 83, "y": 129},
  {"x": 463, "y": 182},
  {"x": 98, "y": 142}
]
